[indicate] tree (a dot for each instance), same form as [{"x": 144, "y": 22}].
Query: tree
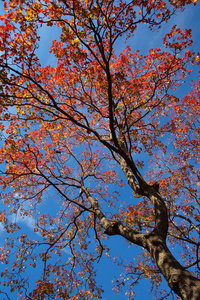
[{"x": 76, "y": 129}]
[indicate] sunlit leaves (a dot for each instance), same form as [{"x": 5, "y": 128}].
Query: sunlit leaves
[{"x": 70, "y": 124}]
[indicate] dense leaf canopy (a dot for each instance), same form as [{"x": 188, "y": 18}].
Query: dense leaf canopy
[{"x": 78, "y": 136}]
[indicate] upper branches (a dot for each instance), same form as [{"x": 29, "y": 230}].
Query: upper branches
[{"x": 68, "y": 122}]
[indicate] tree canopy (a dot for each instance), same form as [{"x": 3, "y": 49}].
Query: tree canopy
[{"x": 97, "y": 143}]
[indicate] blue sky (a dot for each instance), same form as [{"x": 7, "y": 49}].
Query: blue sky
[{"x": 143, "y": 41}]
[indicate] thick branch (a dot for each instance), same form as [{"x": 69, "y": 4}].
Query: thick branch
[
  {"x": 95, "y": 206},
  {"x": 160, "y": 209},
  {"x": 115, "y": 228},
  {"x": 179, "y": 280},
  {"x": 130, "y": 177}
]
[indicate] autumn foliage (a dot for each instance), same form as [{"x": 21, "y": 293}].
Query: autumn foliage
[{"x": 79, "y": 132}]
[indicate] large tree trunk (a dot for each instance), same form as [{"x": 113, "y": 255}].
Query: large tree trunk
[{"x": 181, "y": 281}]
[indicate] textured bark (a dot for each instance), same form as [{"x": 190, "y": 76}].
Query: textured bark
[{"x": 181, "y": 281}]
